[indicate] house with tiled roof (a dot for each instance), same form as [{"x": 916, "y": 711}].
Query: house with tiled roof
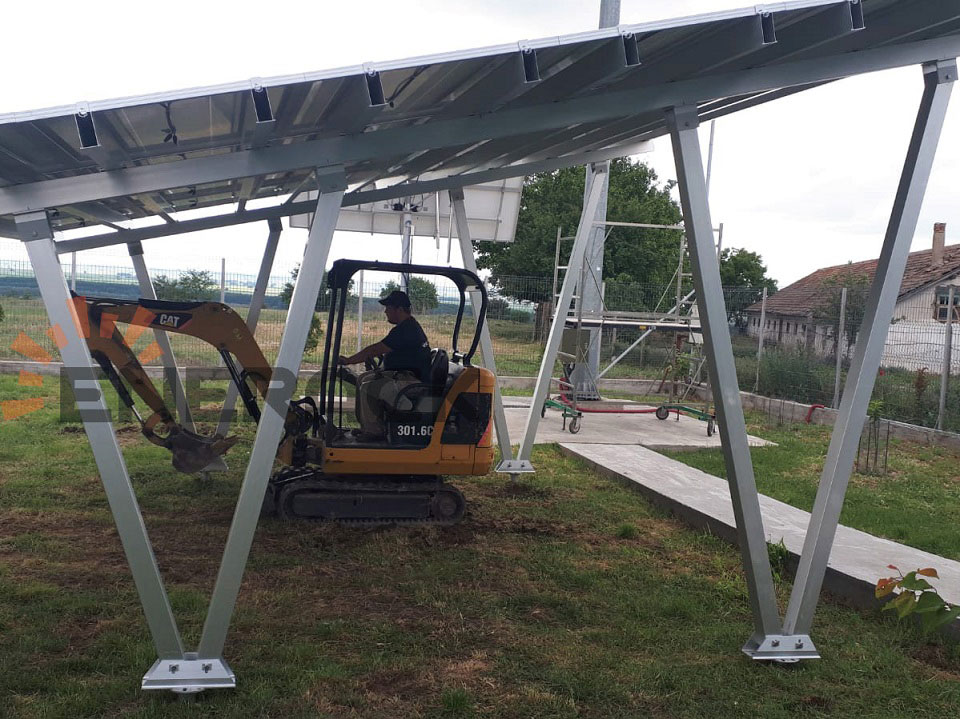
[{"x": 917, "y": 333}]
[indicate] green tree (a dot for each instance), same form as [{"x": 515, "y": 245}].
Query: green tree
[
  {"x": 744, "y": 276},
  {"x": 422, "y": 293},
  {"x": 191, "y": 285},
  {"x": 827, "y": 312},
  {"x": 555, "y": 199},
  {"x": 1, "y": 313}
]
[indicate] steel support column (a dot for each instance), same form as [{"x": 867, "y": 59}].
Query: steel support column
[
  {"x": 270, "y": 428},
  {"x": 34, "y": 230},
  {"x": 938, "y": 82},
  {"x": 171, "y": 370},
  {"x": 253, "y": 315},
  {"x": 570, "y": 279},
  {"x": 683, "y": 124},
  {"x": 486, "y": 344},
  {"x": 584, "y": 376},
  {"x": 406, "y": 248}
]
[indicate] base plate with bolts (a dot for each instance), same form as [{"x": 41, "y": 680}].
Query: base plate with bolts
[
  {"x": 189, "y": 675},
  {"x": 783, "y": 648},
  {"x": 515, "y": 466}
]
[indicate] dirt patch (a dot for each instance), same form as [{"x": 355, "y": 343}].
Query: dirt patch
[
  {"x": 402, "y": 684},
  {"x": 937, "y": 656},
  {"x": 519, "y": 489}
]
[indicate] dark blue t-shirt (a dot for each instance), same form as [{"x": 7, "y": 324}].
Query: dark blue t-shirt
[{"x": 409, "y": 348}]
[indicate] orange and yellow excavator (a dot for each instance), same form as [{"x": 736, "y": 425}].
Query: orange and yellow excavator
[{"x": 439, "y": 426}]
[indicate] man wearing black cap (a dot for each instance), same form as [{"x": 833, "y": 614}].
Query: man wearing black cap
[{"x": 406, "y": 360}]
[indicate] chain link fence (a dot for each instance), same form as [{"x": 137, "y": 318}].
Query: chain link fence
[{"x": 798, "y": 361}]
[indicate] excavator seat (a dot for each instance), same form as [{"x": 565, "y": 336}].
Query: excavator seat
[{"x": 410, "y": 420}]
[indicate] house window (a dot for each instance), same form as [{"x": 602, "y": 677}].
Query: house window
[
  {"x": 803, "y": 329},
  {"x": 788, "y": 328},
  {"x": 940, "y": 306}
]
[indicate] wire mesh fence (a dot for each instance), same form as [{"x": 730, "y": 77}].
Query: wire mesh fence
[{"x": 798, "y": 361}]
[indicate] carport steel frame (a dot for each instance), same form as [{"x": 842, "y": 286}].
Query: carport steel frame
[{"x": 182, "y": 671}]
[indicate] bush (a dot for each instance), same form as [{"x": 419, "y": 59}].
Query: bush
[
  {"x": 316, "y": 332},
  {"x": 191, "y": 285},
  {"x": 1, "y": 313}
]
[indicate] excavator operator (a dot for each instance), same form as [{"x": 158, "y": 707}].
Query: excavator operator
[{"x": 406, "y": 360}]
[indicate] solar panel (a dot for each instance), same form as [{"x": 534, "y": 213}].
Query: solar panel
[{"x": 500, "y": 110}]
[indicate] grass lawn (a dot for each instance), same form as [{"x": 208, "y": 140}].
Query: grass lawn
[
  {"x": 917, "y": 502},
  {"x": 564, "y": 596}
]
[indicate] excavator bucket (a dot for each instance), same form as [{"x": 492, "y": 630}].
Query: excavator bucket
[{"x": 193, "y": 452}]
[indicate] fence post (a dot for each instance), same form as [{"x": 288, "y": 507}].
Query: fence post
[
  {"x": 838, "y": 343},
  {"x": 360, "y": 312},
  {"x": 73, "y": 271},
  {"x": 763, "y": 322},
  {"x": 223, "y": 280},
  {"x": 947, "y": 359}
]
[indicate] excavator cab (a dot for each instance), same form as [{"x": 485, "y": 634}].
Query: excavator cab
[
  {"x": 412, "y": 417},
  {"x": 438, "y": 426}
]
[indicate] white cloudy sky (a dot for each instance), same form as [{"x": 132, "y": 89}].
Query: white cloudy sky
[{"x": 806, "y": 181}]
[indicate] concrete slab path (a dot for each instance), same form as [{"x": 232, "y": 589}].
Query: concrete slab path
[{"x": 858, "y": 559}]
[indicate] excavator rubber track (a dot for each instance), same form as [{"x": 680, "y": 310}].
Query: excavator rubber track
[{"x": 364, "y": 500}]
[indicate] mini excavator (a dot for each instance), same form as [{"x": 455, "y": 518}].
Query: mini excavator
[{"x": 436, "y": 427}]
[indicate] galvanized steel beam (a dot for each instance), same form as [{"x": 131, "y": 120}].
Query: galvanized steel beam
[
  {"x": 938, "y": 83},
  {"x": 270, "y": 427},
  {"x": 253, "y": 316},
  {"x": 349, "y": 199},
  {"x": 35, "y": 231},
  {"x": 542, "y": 387},
  {"x": 486, "y": 343},
  {"x": 683, "y": 123}
]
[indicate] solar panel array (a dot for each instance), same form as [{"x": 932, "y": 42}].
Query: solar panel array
[{"x": 434, "y": 116}]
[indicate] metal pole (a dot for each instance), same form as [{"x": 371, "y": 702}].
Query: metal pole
[
  {"x": 609, "y": 13},
  {"x": 947, "y": 359},
  {"x": 223, "y": 280},
  {"x": 683, "y": 248},
  {"x": 841, "y": 332},
  {"x": 270, "y": 427},
  {"x": 713, "y": 127},
  {"x": 588, "y": 366},
  {"x": 360, "y": 312},
  {"x": 763, "y": 321},
  {"x": 522, "y": 463},
  {"x": 253, "y": 315},
  {"x": 486, "y": 343},
  {"x": 73, "y": 271},
  {"x": 171, "y": 370},
  {"x": 938, "y": 82},
  {"x": 406, "y": 249},
  {"x": 683, "y": 123},
  {"x": 34, "y": 229}
]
